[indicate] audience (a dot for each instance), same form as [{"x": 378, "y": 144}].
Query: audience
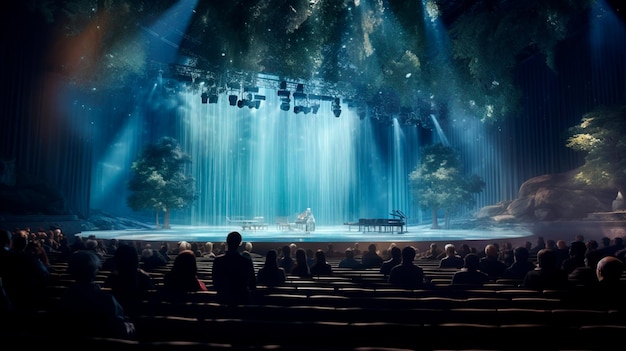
[
  {"x": 129, "y": 283},
  {"x": 490, "y": 263},
  {"x": 470, "y": 274},
  {"x": 86, "y": 309},
  {"x": 451, "y": 260},
  {"x": 547, "y": 275},
  {"x": 370, "y": 258},
  {"x": 394, "y": 260},
  {"x": 182, "y": 278},
  {"x": 301, "y": 267},
  {"x": 286, "y": 262},
  {"x": 407, "y": 274},
  {"x": 520, "y": 266},
  {"x": 270, "y": 274},
  {"x": 577, "y": 250},
  {"x": 234, "y": 277},
  {"x": 349, "y": 261},
  {"x": 321, "y": 266}
]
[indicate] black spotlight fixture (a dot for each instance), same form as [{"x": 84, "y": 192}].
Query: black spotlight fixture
[
  {"x": 285, "y": 104},
  {"x": 336, "y": 107},
  {"x": 232, "y": 100},
  {"x": 205, "y": 97}
]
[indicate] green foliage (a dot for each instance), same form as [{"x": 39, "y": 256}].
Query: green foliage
[
  {"x": 158, "y": 181},
  {"x": 602, "y": 136},
  {"x": 439, "y": 183}
]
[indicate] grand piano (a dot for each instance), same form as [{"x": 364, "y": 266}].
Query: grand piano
[{"x": 384, "y": 224}]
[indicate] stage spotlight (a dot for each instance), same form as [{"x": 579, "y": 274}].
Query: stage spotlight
[
  {"x": 285, "y": 104},
  {"x": 241, "y": 103},
  {"x": 205, "y": 97},
  {"x": 213, "y": 99},
  {"x": 232, "y": 100},
  {"x": 296, "y": 109},
  {"x": 284, "y": 93},
  {"x": 336, "y": 107},
  {"x": 283, "y": 85},
  {"x": 315, "y": 108}
]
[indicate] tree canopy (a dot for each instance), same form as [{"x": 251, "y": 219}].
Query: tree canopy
[
  {"x": 601, "y": 134},
  {"x": 438, "y": 182},
  {"x": 159, "y": 181}
]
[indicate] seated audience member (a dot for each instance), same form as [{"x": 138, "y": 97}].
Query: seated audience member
[
  {"x": 507, "y": 254},
  {"x": 470, "y": 274},
  {"x": 491, "y": 264},
  {"x": 464, "y": 250},
  {"x": 151, "y": 259},
  {"x": 129, "y": 283},
  {"x": 520, "y": 266},
  {"x": 547, "y": 275},
  {"x": 432, "y": 253},
  {"x": 182, "y": 278},
  {"x": 452, "y": 260},
  {"x": 301, "y": 267},
  {"x": 370, "y": 258},
  {"x": 208, "y": 250},
  {"x": 270, "y": 274},
  {"x": 586, "y": 276},
  {"x": 321, "y": 266},
  {"x": 577, "y": 250},
  {"x": 234, "y": 278},
  {"x": 407, "y": 274},
  {"x": 86, "y": 309},
  {"x": 349, "y": 261},
  {"x": 286, "y": 261},
  {"x": 164, "y": 250},
  {"x": 394, "y": 260},
  {"x": 25, "y": 273},
  {"x": 611, "y": 289}
]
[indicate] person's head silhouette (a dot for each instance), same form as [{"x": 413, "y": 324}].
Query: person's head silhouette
[{"x": 233, "y": 240}]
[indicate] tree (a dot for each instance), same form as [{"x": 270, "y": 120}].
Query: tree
[
  {"x": 438, "y": 182},
  {"x": 159, "y": 182},
  {"x": 601, "y": 134}
]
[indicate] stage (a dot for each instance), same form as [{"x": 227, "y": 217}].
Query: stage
[{"x": 322, "y": 234}]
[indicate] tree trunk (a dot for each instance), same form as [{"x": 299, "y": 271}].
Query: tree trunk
[
  {"x": 435, "y": 223},
  {"x": 156, "y": 213},
  {"x": 447, "y": 219},
  {"x": 166, "y": 219}
]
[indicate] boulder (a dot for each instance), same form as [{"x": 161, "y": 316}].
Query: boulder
[{"x": 552, "y": 197}]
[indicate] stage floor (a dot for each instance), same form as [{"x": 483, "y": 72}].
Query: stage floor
[{"x": 322, "y": 234}]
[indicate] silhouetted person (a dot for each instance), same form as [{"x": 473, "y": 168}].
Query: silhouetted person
[
  {"x": 576, "y": 257},
  {"x": 407, "y": 274},
  {"x": 321, "y": 266},
  {"x": 547, "y": 275},
  {"x": 286, "y": 261},
  {"x": 349, "y": 261},
  {"x": 470, "y": 274},
  {"x": 129, "y": 283},
  {"x": 451, "y": 260},
  {"x": 394, "y": 260},
  {"x": 370, "y": 258},
  {"x": 491, "y": 264},
  {"x": 270, "y": 274},
  {"x": 234, "y": 277},
  {"x": 182, "y": 278},
  {"x": 301, "y": 267},
  {"x": 520, "y": 266},
  {"x": 86, "y": 310}
]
